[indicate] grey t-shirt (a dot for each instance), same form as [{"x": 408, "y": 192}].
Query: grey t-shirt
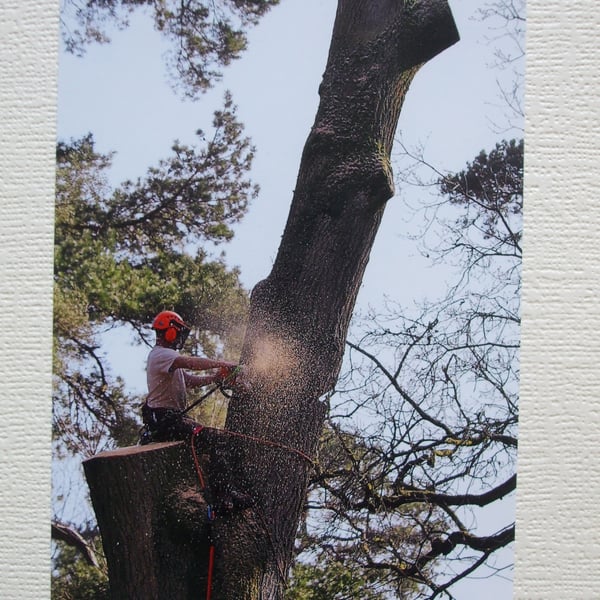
[{"x": 166, "y": 388}]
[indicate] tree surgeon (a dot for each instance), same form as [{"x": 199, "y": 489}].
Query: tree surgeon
[{"x": 164, "y": 412}]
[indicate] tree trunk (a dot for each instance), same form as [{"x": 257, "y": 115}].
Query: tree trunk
[
  {"x": 296, "y": 333},
  {"x": 299, "y": 315}
]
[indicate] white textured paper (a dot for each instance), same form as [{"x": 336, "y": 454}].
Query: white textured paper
[
  {"x": 28, "y": 74},
  {"x": 558, "y": 491},
  {"x": 558, "y": 526}
]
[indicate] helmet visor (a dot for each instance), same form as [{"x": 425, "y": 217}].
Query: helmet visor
[{"x": 182, "y": 335}]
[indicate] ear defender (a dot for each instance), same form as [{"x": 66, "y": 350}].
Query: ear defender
[
  {"x": 171, "y": 335},
  {"x": 171, "y": 327}
]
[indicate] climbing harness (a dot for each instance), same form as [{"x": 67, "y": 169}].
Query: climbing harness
[
  {"x": 229, "y": 379},
  {"x": 226, "y": 384}
]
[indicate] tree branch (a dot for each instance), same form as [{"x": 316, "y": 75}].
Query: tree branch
[{"x": 64, "y": 533}]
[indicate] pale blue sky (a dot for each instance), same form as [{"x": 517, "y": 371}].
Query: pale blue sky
[{"x": 120, "y": 93}]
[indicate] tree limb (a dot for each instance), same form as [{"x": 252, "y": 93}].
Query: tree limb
[{"x": 64, "y": 533}]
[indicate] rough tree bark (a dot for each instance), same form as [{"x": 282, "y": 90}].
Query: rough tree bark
[
  {"x": 148, "y": 508},
  {"x": 299, "y": 315}
]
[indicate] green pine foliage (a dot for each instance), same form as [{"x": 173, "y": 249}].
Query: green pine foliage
[
  {"x": 74, "y": 579},
  {"x": 204, "y": 35},
  {"x": 124, "y": 253},
  {"x": 492, "y": 184}
]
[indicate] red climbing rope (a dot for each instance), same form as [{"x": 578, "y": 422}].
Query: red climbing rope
[
  {"x": 211, "y": 550},
  {"x": 196, "y": 431},
  {"x": 211, "y": 564},
  {"x": 265, "y": 442}
]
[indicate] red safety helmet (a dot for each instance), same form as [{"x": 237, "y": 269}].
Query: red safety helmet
[{"x": 174, "y": 329}]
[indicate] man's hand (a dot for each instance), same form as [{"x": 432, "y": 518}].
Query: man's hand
[{"x": 226, "y": 374}]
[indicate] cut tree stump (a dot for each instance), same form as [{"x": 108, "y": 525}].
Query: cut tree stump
[
  {"x": 152, "y": 511},
  {"x": 152, "y": 514}
]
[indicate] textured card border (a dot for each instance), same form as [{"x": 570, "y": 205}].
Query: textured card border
[
  {"x": 558, "y": 527},
  {"x": 28, "y": 82}
]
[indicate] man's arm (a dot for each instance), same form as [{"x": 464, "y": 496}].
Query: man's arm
[
  {"x": 198, "y": 363},
  {"x": 193, "y": 381}
]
